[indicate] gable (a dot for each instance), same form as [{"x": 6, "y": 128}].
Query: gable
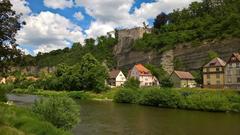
[{"x": 121, "y": 76}]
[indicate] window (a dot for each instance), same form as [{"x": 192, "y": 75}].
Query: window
[
  {"x": 208, "y": 69},
  {"x": 234, "y": 65},
  {"x": 217, "y": 69},
  {"x": 238, "y": 65},
  {"x": 229, "y": 72},
  {"x": 208, "y": 76},
  {"x": 146, "y": 79},
  {"x": 229, "y": 80},
  {"x": 238, "y": 80},
  {"x": 217, "y": 75},
  {"x": 218, "y": 82},
  {"x": 208, "y": 83}
]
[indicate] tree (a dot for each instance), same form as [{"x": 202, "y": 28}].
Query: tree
[
  {"x": 160, "y": 20},
  {"x": 212, "y": 55},
  {"x": 93, "y": 74},
  {"x": 63, "y": 112},
  {"x": 167, "y": 83},
  {"x": 9, "y": 25},
  {"x": 132, "y": 83}
]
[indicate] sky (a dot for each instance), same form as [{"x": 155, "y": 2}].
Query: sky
[{"x": 56, "y": 24}]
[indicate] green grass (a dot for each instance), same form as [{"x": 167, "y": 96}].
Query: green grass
[
  {"x": 21, "y": 121},
  {"x": 81, "y": 95}
]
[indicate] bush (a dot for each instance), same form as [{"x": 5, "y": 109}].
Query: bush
[
  {"x": 208, "y": 102},
  {"x": 23, "y": 121},
  {"x": 193, "y": 99},
  {"x": 132, "y": 83},
  {"x": 4, "y": 88},
  {"x": 166, "y": 83},
  {"x": 62, "y": 112},
  {"x": 78, "y": 95},
  {"x": 126, "y": 96},
  {"x": 159, "y": 97}
]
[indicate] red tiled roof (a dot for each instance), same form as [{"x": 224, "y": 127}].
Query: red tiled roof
[
  {"x": 142, "y": 70},
  {"x": 216, "y": 62},
  {"x": 114, "y": 73},
  {"x": 184, "y": 75}
]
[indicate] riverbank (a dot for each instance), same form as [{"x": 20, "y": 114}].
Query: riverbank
[
  {"x": 21, "y": 121},
  {"x": 190, "y": 99},
  {"x": 79, "y": 95}
]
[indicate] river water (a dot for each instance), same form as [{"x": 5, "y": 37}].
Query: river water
[{"x": 107, "y": 118}]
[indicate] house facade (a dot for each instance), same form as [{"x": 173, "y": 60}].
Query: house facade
[
  {"x": 232, "y": 72},
  {"x": 116, "y": 78},
  {"x": 213, "y": 74},
  {"x": 144, "y": 76},
  {"x": 182, "y": 79}
]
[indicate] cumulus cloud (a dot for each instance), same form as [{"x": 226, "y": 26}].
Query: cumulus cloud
[
  {"x": 97, "y": 29},
  {"x": 110, "y": 14},
  {"x": 48, "y": 31},
  {"x": 79, "y": 16},
  {"x": 151, "y": 10},
  {"x": 58, "y": 4},
  {"x": 21, "y": 7}
]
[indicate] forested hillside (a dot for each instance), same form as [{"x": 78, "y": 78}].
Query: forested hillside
[
  {"x": 101, "y": 49},
  {"x": 207, "y": 20}
]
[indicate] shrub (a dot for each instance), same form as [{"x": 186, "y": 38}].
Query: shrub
[
  {"x": 132, "y": 83},
  {"x": 22, "y": 120},
  {"x": 62, "y": 112},
  {"x": 78, "y": 95},
  {"x": 4, "y": 88},
  {"x": 208, "y": 102},
  {"x": 161, "y": 97},
  {"x": 166, "y": 83},
  {"x": 126, "y": 96}
]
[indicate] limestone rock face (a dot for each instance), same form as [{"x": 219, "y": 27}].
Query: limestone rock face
[
  {"x": 127, "y": 57},
  {"x": 193, "y": 58}
]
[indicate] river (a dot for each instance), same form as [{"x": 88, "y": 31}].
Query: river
[{"x": 107, "y": 118}]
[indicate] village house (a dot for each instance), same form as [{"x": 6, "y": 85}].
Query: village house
[
  {"x": 116, "y": 78},
  {"x": 213, "y": 74},
  {"x": 232, "y": 72},
  {"x": 144, "y": 76},
  {"x": 182, "y": 79}
]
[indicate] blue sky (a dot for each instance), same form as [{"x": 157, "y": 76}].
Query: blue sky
[{"x": 56, "y": 24}]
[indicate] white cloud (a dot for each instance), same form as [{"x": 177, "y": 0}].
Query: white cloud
[
  {"x": 151, "y": 10},
  {"x": 97, "y": 29},
  {"x": 58, "y": 4},
  {"x": 48, "y": 31},
  {"x": 79, "y": 16},
  {"x": 110, "y": 14},
  {"x": 21, "y": 6}
]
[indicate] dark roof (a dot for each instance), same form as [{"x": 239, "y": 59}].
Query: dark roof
[
  {"x": 216, "y": 62},
  {"x": 184, "y": 75},
  {"x": 114, "y": 73},
  {"x": 237, "y": 55}
]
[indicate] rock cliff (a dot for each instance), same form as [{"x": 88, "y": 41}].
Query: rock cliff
[{"x": 191, "y": 57}]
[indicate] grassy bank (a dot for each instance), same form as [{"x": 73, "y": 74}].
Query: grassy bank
[
  {"x": 21, "y": 121},
  {"x": 80, "y": 95},
  {"x": 191, "y": 99}
]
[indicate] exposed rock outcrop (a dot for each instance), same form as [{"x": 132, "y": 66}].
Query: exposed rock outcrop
[{"x": 191, "y": 57}]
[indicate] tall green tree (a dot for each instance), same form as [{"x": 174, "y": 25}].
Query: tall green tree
[
  {"x": 9, "y": 25},
  {"x": 93, "y": 73}
]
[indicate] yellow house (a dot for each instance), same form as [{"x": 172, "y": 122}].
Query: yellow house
[
  {"x": 182, "y": 79},
  {"x": 213, "y": 74}
]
